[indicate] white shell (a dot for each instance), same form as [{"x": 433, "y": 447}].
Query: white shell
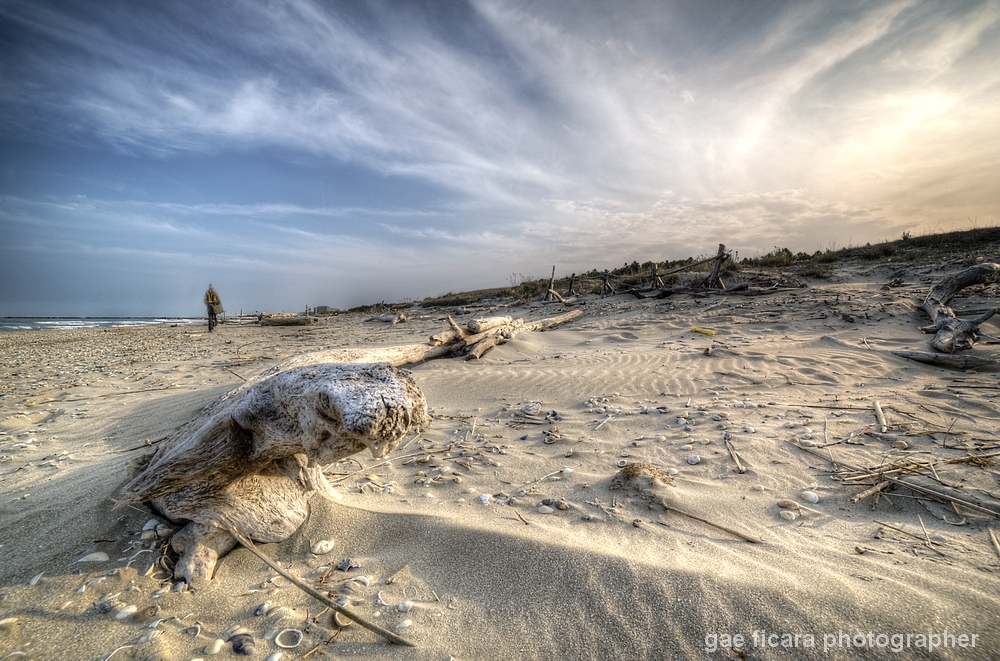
[
  {"x": 125, "y": 612},
  {"x": 807, "y": 443},
  {"x": 288, "y": 638},
  {"x": 97, "y": 556},
  {"x": 34, "y": 579},
  {"x": 404, "y": 606},
  {"x": 263, "y": 608},
  {"x": 215, "y": 646},
  {"x": 810, "y": 496},
  {"x": 694, "y": 459},
  {"x": 322, "y": 547},
  {"x": 151, "y": 524},
  {"x": 545, "y": 509},
  {"x": 788, "y": 515},
  {"x": 405, "y": 624},
  {"x": 275, "y": 657}
]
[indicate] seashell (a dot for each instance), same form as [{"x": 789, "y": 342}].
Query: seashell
[
  {"x": 561, "y": 504},
  {"x": 275, "y": 657},
  {"x": 150, "y": 525},
  {"x": 243, "y": 644},
  {"x": 484, "y": 499},
  {"x": 34, "y": 579},
  {"x": 404, "y": 606},
  {"x": 146, "y": 613},
  {"x": 215, "y": 646},
  {"x": 97, "y": 556},
  {"x": 687, "y": 447},
  {"x": 750, "y": 430},
  {"x": 288, "y": 638},
  {"x": 900, "y": 445},
  {"x": 263, "y": 608},
  {"x": 545, "y": 509},
  {"x": 788, "y": 515},
  {"x": 341, "y": 621},
  {"x": 810, "y": 497},
  {"x": 322, "y": 547},
  {"x": 672, "y": 471},
  {"x": 163, "y": 531},
  {"x": 806, "y": 437},
  {"x": 280, "y": 613},
  {"x": 146, "y": 637},
  {"x": 938, "y": 538},
  {"x": 806, "y": 443},
  {"x": 788, "y": 504},
  {"x": 405, "y": 624},
  {"x": 694, "y": 459},
  {"x": 125, "y": 612},
  {"x": 147, "y": 535}
]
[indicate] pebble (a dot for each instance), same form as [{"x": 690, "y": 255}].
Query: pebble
[
  {"x": 687, "y": 447},
  {"x": 694, "y": 459},
  {"x": 404, "y": 606},
  {"x": 938, "y": 538},
  {"x": 671, "y": 471},
  {"x": 788, "y": 504},
  {"x": 750, "y": 430},
  {"x": 810, "y": 497},
  {"x": 215, "y": 646},
  {"x": 322, "y": 547},
  {"x": 275, "y": 657},
  {"x": 807, "y": 443},
  {"x": 405, "y": 624},
  {"x": 545, "y": 509}
]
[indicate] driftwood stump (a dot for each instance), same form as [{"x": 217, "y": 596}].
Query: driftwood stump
[
  {"x": 950, "y": 333},
  {"x": 250, "y": 462}
]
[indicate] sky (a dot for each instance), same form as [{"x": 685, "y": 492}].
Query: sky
[{"x": 350, "y": 152}]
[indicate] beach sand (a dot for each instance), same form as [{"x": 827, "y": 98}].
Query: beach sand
[{"x": 464, "y": 540}]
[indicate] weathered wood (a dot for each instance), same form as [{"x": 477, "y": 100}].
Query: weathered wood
[
  {"x": 251, "y": 461},
  {"x": 390, "y": 318},
  {"x": 558, "y": 297},
  {"x": 952, "y": 334},
  {"x": 456, "y": 332},
  {"x": 486, "y": 323},
  {"x": 287, "y": 321},
  {"x": 552, "y": 280},
  {"x": 714, "y": 281}
]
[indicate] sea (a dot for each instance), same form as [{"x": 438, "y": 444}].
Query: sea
[{"x": 68, "y": 323}]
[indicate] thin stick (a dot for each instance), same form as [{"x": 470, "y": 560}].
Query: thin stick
[
  {"x": 868, "y": 492},
  {"x": 234, "y": 373},
  {"x": 897, "y": 529},
  {"x": 739, "y": 466},
  {"x": 671, "y": 508},
  {"x": 993, "y": 538},
  {"x": 880, "y": 417},
  {"x": 388, "y": 635}
]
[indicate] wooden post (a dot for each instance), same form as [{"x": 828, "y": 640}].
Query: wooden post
[
  {"x": 714, "y": 281},
  {"x": 654, "y": 277},
  {"x": 604, "y": 284},
  {"x": 572, "y": 280},
  {"x": 552, "y": 280}
]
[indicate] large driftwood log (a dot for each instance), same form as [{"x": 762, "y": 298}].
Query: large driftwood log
[
  {"x": 952, "y": 334},
  {"x": 250, "y": 462}
]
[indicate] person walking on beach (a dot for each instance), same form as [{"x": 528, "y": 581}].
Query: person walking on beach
[{"x": 214, "y": 306}]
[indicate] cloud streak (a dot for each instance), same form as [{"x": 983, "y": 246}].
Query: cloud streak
[{"x": 498, "y": 132}]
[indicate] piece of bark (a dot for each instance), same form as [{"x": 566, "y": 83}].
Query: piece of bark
[
  {"x": 251, "y": 461},
  {"x": 950, "y": 333}
]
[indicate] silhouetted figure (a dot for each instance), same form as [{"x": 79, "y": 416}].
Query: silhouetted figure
[{"x": 214, "y": 307}]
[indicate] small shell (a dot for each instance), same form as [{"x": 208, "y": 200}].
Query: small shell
[
  {"x": 545, "y": 509},
  {"x": 146, "y": 613},
  {"x": 341, "y": 621},
  {"x": 34, "y": 579},
  {"x": 900, "y": 445},
  {"x": 788, "y": 515},
  {"x": 404, "y": 606},
  {"x": 687, "y": 447},
  {"x": 243, "y": 644},
  {"x": 215, "y": 646},
  {"x": 938, "y": 538},
  {"x": 97, "y": 556},
  {"x": 405, "y": 624},
  {"x": 807, "y": 443},
  {"x": 288, "y": 638},
  {"x": 322, "y": 547},
  {"x": 125, "y": 612},
  {"x": 151, "y": 524},
  {"x": 694, "y": 459},
  {"x": 263, "y": 608},
  {"x": 810, "y": 497},
  {"x": 788, "y": 504},
  {"x": 672, "y": 471},
  {"x": 275, "y": 657}
]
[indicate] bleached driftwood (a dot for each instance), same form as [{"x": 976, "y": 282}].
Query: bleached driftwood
[
  {"x": 390, "y": 318},
  {"x": 251, "y": 462},
  {"x": 950, "y": 333}
]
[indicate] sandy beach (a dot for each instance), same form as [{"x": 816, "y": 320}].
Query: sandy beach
[{"x": 495, "y": 532}]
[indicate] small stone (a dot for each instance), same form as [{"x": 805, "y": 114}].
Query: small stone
[
  {"x": 215, "y": 646},
  {"x": 694, "y": 459},
  {"x": 125, "y": 612},
  {"x": 545, "y": 509},
  {"x": 807, "y": 443},
  {"x": 404, "y": 606},
  {"x": 322, "y": 547},
  {"x": 405, "y": 624},
  {"x": 810, "y": 497}
]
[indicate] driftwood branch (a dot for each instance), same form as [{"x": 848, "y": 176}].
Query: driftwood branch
[{"x": 950, "y": 333}]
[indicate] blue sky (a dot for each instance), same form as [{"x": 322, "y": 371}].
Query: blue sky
[{"x": 340, "y": 153}]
